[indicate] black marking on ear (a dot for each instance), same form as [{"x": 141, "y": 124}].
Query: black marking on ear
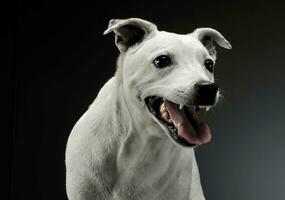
[
  {"x": 134, "y": 35},
  {"x": 119, "y": 39},
  {"x": 208, "y": 42},
  {"x": 206, "y": 38},
  {"x": 129, "y": 32}
]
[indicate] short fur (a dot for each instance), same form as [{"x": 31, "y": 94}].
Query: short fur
[{"x": 117, "y": 150}]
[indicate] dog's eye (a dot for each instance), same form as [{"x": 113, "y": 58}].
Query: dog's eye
[
  {"x": 162, "y": 61},
  {"x": 209, "y": 64}
]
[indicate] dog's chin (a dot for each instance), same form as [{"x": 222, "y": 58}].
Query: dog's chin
[{"x": 183, "y": 124}]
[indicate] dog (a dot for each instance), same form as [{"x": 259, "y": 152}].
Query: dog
[{"x": 136, "y": 140}]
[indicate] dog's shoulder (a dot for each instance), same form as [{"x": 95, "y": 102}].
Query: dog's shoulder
[{"x": 86, "y": 135}]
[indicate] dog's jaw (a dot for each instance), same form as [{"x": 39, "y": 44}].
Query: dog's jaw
[{"x": 181, "y": 123}]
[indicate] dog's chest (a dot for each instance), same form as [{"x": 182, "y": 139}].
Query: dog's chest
[
  {"x": 158, "y": 179},
  {"x": 155, "y": 188}
]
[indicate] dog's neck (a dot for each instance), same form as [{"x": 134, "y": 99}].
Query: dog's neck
[
  {"x": 144, "y": 149},
  {"x": 135, "y": 154}
]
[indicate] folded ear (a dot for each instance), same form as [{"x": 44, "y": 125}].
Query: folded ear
[
  {"x": 207, "y": 36},
  {"x": 130, "y": 31}
]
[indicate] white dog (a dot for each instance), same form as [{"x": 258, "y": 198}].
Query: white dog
[{"x": 136, "y": 141}]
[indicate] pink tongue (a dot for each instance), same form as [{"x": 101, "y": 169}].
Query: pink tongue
[{"x": 193, "y": 131}]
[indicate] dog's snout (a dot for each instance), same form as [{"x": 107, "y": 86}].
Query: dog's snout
[{"x": 205, "y": 93}]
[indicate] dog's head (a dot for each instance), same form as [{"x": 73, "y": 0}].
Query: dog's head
[{"x": 171, "y": 75}]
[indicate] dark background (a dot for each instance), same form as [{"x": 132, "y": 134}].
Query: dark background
[{"x": 60, "y": 59}]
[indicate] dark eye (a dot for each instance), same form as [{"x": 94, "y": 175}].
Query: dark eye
[
  {"x": 209, "y": 64},
  {"x": 162, "y": 61}
]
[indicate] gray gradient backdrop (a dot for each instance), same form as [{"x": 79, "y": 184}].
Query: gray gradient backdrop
[{"x": 62, "y": 60}]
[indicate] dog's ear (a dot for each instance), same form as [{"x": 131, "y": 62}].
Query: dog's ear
[
  {"x": 208, "y": 36},
  {"x": 130, "y": 31}
]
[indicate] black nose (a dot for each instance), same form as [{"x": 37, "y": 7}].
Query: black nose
[{"x": 206, "y": 93}]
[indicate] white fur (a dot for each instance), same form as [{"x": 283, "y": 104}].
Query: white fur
[{"x": 117, "y": 150}]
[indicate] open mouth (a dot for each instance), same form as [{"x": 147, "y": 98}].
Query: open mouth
[{"x": 183, "y": 123}]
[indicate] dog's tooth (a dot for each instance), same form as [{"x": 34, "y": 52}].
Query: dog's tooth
[
  {"x": 201, "y": 107},
  {"x": 162, "y": 108},
  {"x": 165, "y": 116},
  {"x": 163, "y": 99},
  {"x": 178, "y": 126},
  {"x": 181, "y": 106},
  {"x": 208, "y": 108}
]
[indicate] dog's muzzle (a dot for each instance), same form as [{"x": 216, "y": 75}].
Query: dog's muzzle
[{"x": 184, "y": 122}]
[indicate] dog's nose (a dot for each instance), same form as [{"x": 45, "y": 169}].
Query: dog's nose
[
  {"x": 206, "y": 88},
  {"x": 205, "y": 93}
]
